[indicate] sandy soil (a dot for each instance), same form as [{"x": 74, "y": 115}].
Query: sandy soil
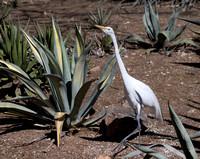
[{"x": 174, "y": 79}]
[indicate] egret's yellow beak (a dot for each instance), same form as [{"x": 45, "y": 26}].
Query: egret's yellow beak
[{"x": 100, "y": 27}]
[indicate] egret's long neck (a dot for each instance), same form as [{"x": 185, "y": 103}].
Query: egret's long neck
[{"x": 119, "y": 60}]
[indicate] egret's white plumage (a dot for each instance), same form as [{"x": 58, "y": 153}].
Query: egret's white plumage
[{"x": 137, "y": 93}]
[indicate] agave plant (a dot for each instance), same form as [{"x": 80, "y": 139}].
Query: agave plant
[
  {"x": 14, "y": 47},
  {"x": 103, "y": 17},
  {"x": 67, "y": 81},
  {"x": 159, "y": 39},
  {"x": 183, "y": 137}
]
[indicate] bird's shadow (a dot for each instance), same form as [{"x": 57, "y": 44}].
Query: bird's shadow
[{"x": 119, "y": 128}]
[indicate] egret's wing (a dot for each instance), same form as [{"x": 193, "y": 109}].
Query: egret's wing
[{"x": 145, "y": 95}]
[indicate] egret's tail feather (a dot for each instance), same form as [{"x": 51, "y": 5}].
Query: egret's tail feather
[{"x": 158, "y": 113}]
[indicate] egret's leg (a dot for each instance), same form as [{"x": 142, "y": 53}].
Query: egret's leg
[
  {"x": 138, "y": 120},
  {"x": 137, "y": 129}
]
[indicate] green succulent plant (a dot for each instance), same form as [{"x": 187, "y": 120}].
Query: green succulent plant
[
  {"x": 67, "y": 81},
  {"x": 183, "y": 137},
  {"x": 14, "y": 47},
  {"x": 103, "y": 17},
  {"x": 160, "y": 39}
]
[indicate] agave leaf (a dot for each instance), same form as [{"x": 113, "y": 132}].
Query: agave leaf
[
  {"x": 150, "y": 152},
  {"x": 107, "y": 18},
  {"x": 183, "y": 136},
  {"x": 19, "y": 47},
  {"x": 80, "y": 73},
  {"x": 30, "y": 65},
  {"x": 185, "y": 41},
  {"x": 172, "y": 22},
  {"x": 136, "y": 38},
  {"x": 94, "y": 120},
  {"x": 79, "y": 45},
  {"x": 78, "y": 76},
  {"x": 14, "y": 68},
  {"x": 99, "y": 15},
  {"x": 3, "y": 34},
  {"x": 175, "y": 34},
  {"x": 22, "y": 111},
  {"x": 44, "y": 104},
  {"x": 195, "y": 135},
  {"x": 168, "y": 147},
  {"x": 195, "y": 31},
  {"x": 61, "y": 92},
  {"x": 154, "y": 20},
  {"x": 38, "y": 31},
  {"x": 197, "y": 22},
  {"x": 14, "y": 53},
  {"x": 51, "y": 65},
  {"x": 12, "y": 32},
  {"x": 1, "y": 54},
  {"x": 79, "y": 98},
  {"x": 36, "y": 50},
  {"x": 147, "y": 24},
  {"x": 60, "y": 53},
  {"x": 67, "y": 38},
  {"x": 93, "y": 18}
]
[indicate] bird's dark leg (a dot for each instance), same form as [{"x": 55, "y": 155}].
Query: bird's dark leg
[
  {"x": 122, "y": 142},
  {"x": 137, "y": 129}
]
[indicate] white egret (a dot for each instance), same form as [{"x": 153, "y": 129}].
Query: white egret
[{"x": 137, "y": 93}]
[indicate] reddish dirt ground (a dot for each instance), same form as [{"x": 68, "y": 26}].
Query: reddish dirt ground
[{"x": 174, "y": 79}]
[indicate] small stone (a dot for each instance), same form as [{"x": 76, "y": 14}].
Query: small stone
[
  {"x": 95, "y": 69},
  {"x": 104, "y": 157}
]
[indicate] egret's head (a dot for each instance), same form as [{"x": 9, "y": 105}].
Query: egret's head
[{"x": 107, "y": 30}]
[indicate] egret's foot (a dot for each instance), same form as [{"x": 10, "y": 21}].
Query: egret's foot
[{"x": 122, "y": 143}]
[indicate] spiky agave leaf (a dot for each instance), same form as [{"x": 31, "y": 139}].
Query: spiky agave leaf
[
  {"x": 60, "y": 53},
  {"x": 185, "y": 41},
  {"x": 136, "y": 38},
  {"x": 195, "y": 31},
  {"x": 140, "y": 151},
  {"x": 197, "y": 22},
  {"x": 61, "y": 92},
  {"x": 79, "y": 75},
  {"x": 99, "y": 116},
  {"x": 183, "y": 136},
  {"x": 78, "y": 100},
  {"x": 149, "y": 152},
  {"x": 22, "y": 110},
  {"x": 46, "y": 105}
]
